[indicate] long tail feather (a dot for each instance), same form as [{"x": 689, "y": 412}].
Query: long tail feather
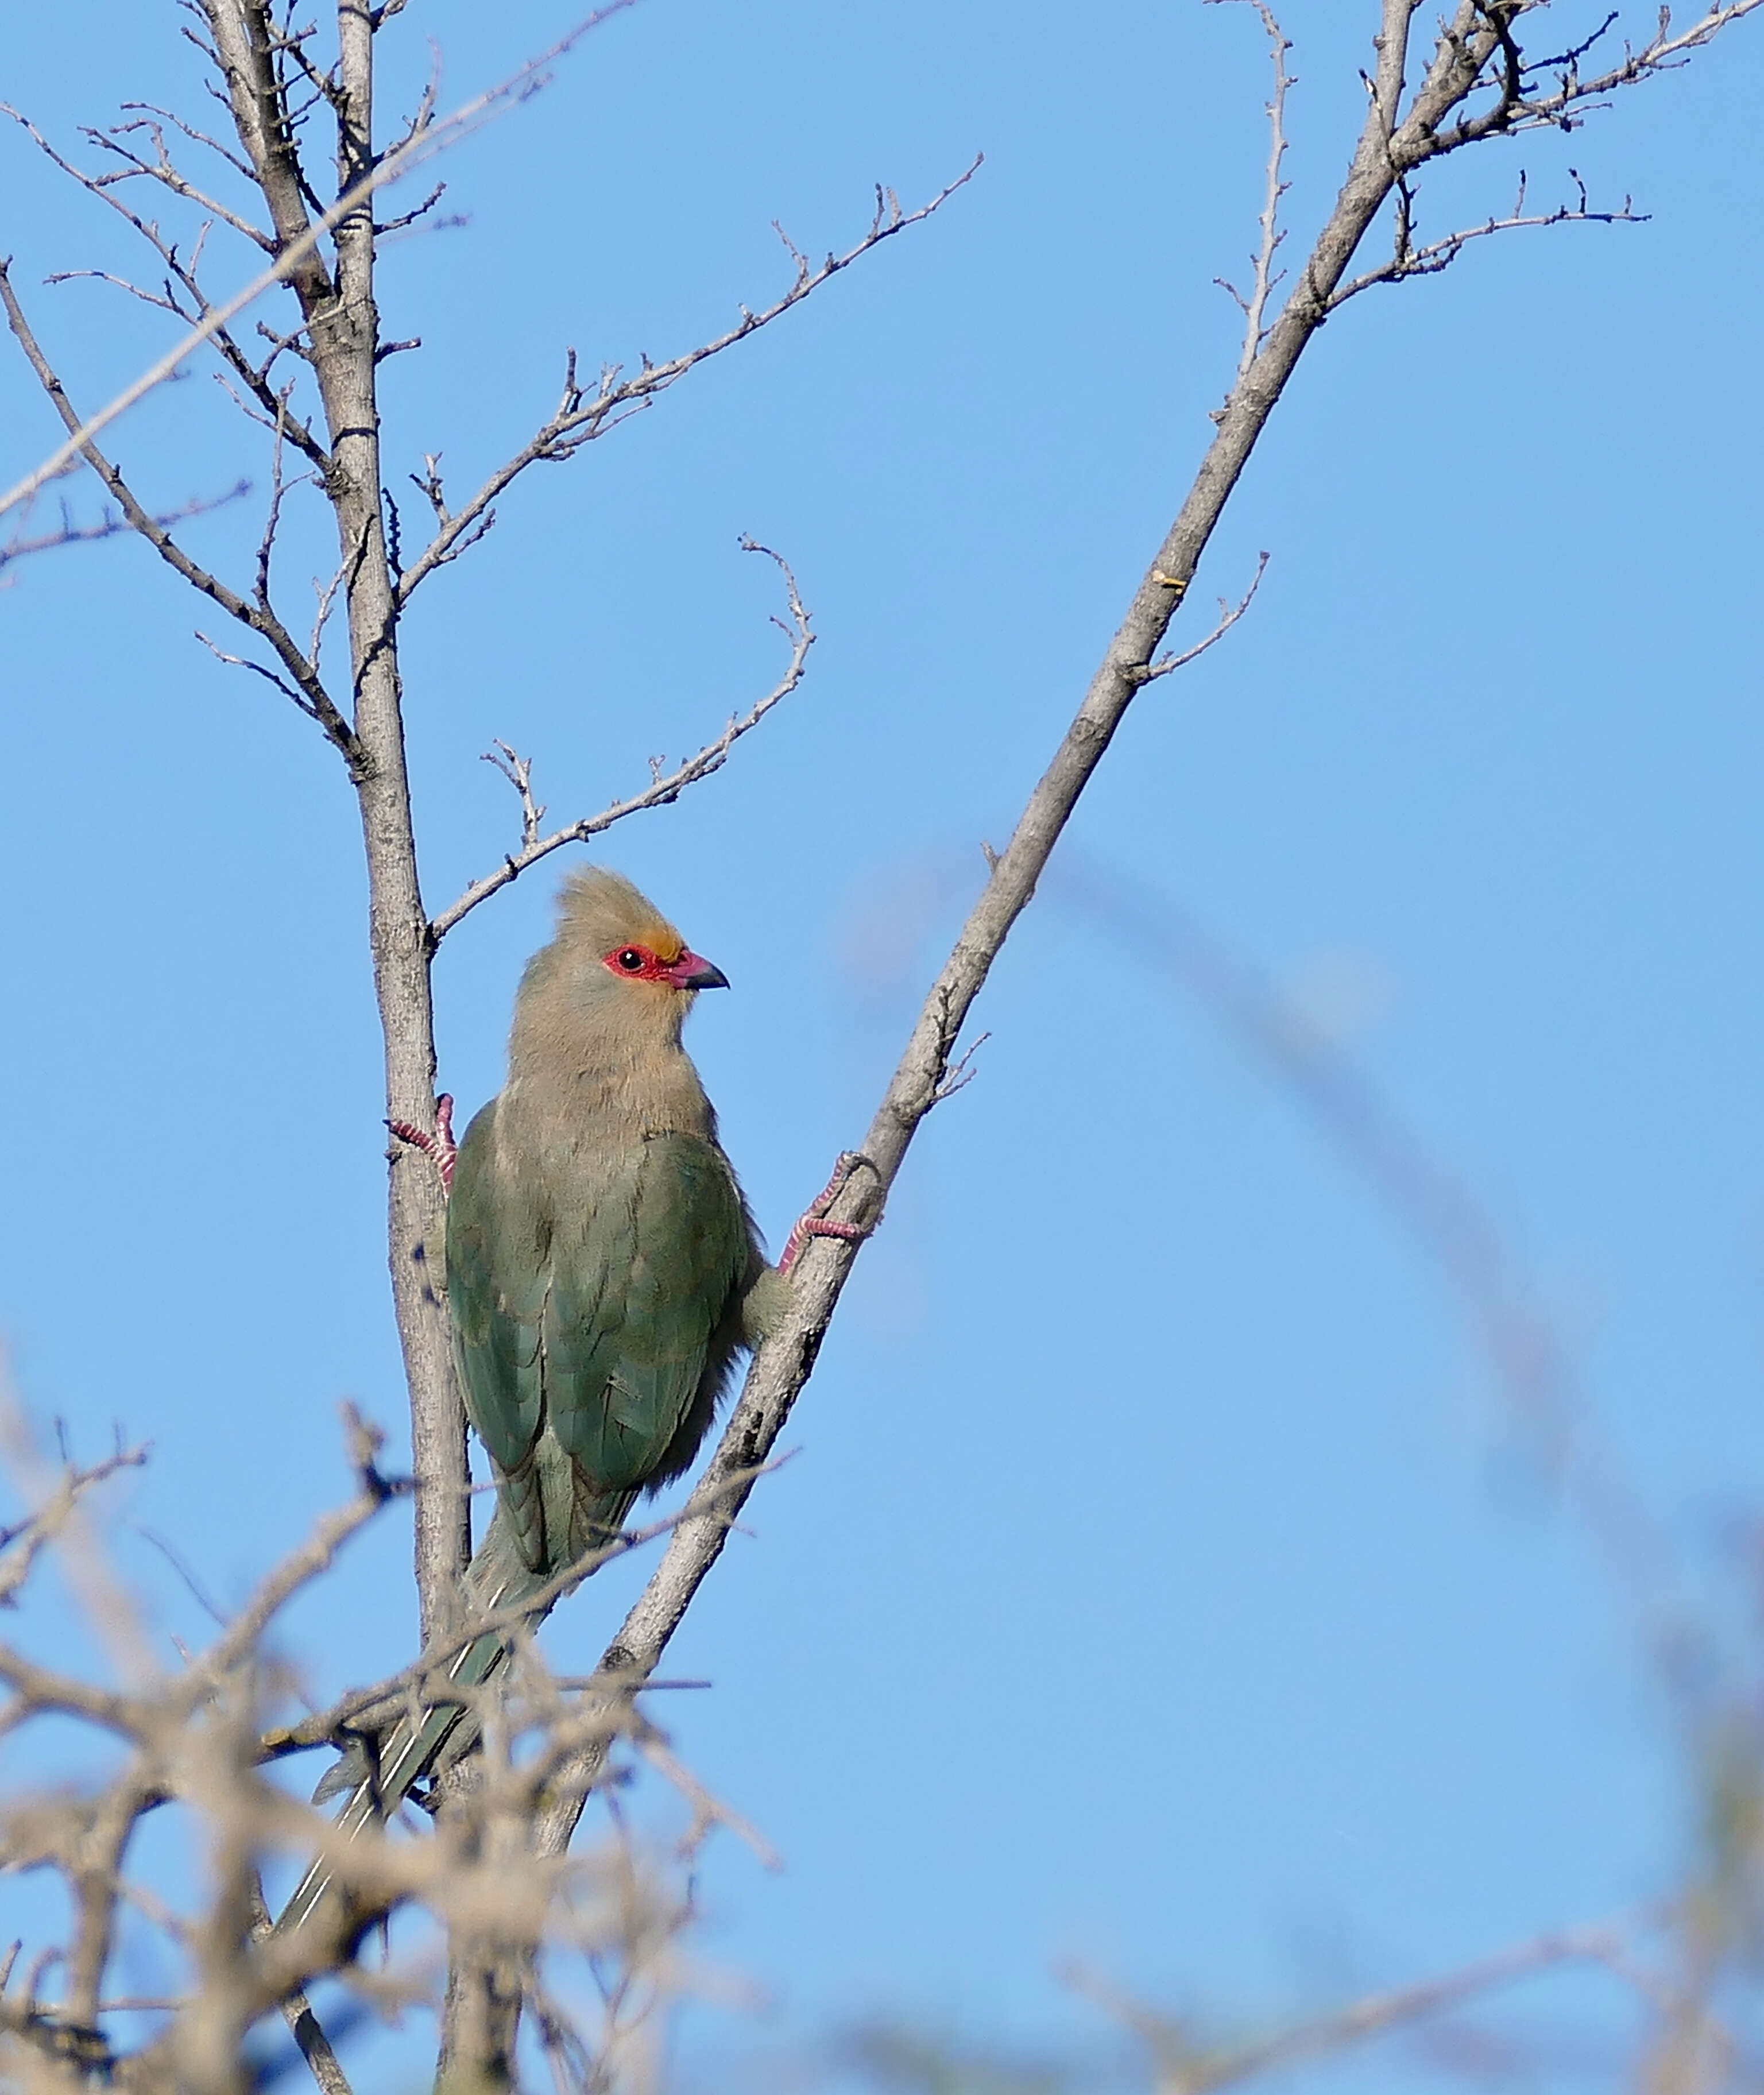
[{"x": 496, "y": 1578}]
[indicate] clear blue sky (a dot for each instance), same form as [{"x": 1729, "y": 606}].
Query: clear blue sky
[{"x": 1161, "y": 1583}]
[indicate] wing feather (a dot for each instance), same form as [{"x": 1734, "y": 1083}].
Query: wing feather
[
  {"x": 642, "y": 1281},
  {"x": 593, "y": 1319},
  {"x": 498, "y": 1277}
]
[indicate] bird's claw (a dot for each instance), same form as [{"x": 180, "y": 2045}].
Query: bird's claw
[
  {"x": 814, "y": 1222},
  {"x": 440, "y": 1147}
]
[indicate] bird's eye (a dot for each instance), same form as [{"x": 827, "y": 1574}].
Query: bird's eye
[{"x": 631, "y": 959}]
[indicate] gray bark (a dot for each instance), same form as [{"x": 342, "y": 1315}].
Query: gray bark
[{"x": 344, "y": 326}]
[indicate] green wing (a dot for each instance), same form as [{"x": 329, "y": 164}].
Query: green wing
[
  {"x": 642, "y": 1278},
  {"x": 591, "y": 1313},
  {"x": 498, "y": 1275}
]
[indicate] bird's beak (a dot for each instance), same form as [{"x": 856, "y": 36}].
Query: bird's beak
[{"x": 693, "y": 971}]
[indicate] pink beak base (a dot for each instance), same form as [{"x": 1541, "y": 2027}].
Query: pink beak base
[{"x": 693, "y": 971}]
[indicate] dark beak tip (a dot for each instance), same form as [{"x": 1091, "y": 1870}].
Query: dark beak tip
[{"x": 705, "y": 975}]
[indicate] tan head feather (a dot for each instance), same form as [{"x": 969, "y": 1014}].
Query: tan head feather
[{"x": 600, "y": 910}]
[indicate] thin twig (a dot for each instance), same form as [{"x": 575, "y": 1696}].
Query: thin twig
[
  {"x": 518, "y": 771},
  {"x": 111, "y": 526},
  {"x": 1390, "y": 142},
  {"x": 1434, "y": 255},
  {"x": 419, "y": 147},
  {"x": 302, "y": 685},
  {"x": 1186, "y": 2067},
  {"x": 1228, "y": 615},
  {"x": 582, "y": 414},
  {"x": 27, "y": 1537},
  {"x": 428, "y": 1669},
  {"x": 254, "y": 377},
  {"x": 1256, "y": 305},
  {"x": 664, "y": 787}
]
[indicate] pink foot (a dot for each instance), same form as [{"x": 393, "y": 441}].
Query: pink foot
[
  {"x": 440, "y": 1147},
  {"x": 815, "y": 1223}
]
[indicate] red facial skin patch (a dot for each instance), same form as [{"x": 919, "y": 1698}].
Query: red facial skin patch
[{"x": 686, "y": 970}]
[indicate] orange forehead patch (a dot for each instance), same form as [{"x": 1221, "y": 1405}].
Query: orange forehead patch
[
  {"x": 603, "y": 909},
  {"x": 662, "y": 940}
]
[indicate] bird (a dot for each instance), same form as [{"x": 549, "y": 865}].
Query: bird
[{"x": 603, "y": 1275}]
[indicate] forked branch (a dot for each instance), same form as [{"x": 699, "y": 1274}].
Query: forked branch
[
  {"x": 584, "y": 412},
  {"x": 1189, "y": 2064},
  {"x": 1264, "y": 281},
  {"x": 1430, "y": 257},
  {"x": 1228, "y": 615},
  {"x": 302, "y": 682},
  {"x": 1394, "y": 139},
  {"x": 663, "y": 788},
  {"x": 424, "y": 139},
  {"x": 109, "y": 525}
]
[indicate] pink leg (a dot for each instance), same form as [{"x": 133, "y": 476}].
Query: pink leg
[
  {"x": 815, "y": 1223},
  {"x": 440, "y": 1147}
]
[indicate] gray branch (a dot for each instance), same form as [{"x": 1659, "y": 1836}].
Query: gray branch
[
  {"x": 194, "y": 307},
  {"x": 296, "y": 256},
  {"x": 302, "y": 684},
  {"x": 1392, "y": 140},
  {"x": 664, "y": 788},
  {"x": 583, "y": 414}
]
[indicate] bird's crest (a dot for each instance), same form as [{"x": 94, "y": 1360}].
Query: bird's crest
[{"x": 600, "y": 909}]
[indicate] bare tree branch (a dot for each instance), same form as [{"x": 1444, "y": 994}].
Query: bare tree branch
[
  {"x": 426, "y": 1676},
  {"x": 582, "y": 414},
  {"x": 518, "y": 771},
  {"x": 493, "y": 1876},
  {"x": 431, "y": 138},
  {"x": 160, "y": 169},
  {"x": 303, "y": 685},
  {"x": 27, "y": 1538},
  {"x": 1263, "y": 283},
  {"x": 1432, "y": 256},
  {"x": 1392, "y": 140},
  {"x": 110, "y": 525},
  {"x": 195, "y": 306},
  {"x": 1188, "y": 2066},
  {"x": 1228, "y": 615},
  {"x": 1483, "y": 32},
  {"x": 664, "y": 787}
]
